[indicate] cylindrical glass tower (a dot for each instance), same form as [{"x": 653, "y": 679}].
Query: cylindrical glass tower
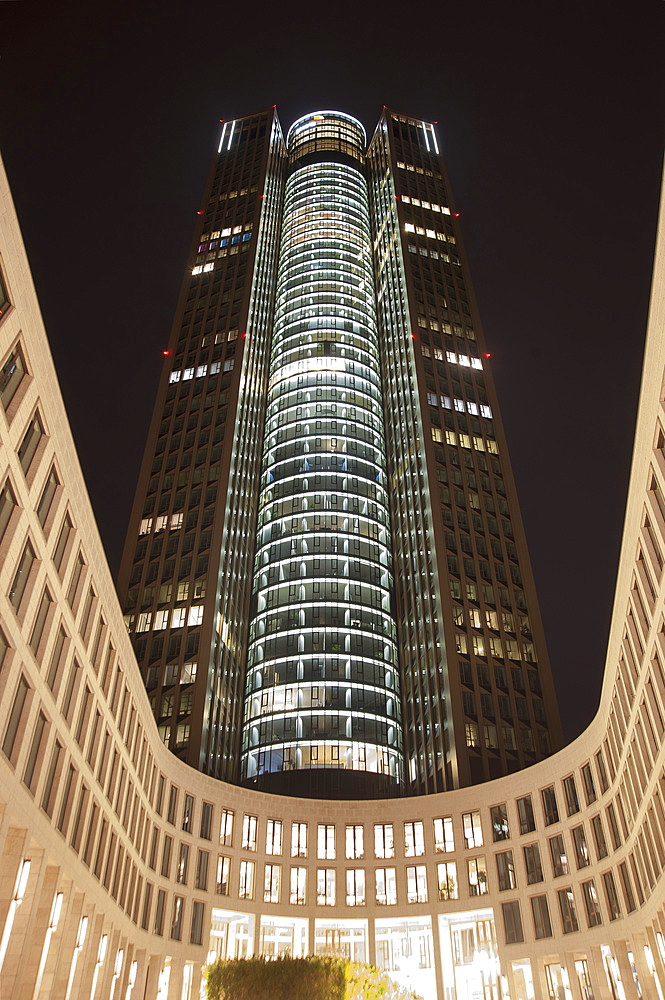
[{"x": 322, "y": 713}]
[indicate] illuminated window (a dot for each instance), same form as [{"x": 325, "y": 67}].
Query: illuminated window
[
  {"x": 416, "y": 884},
  {"x": 249, "y": 830},
  {"x": 226, "y": 828},
  {"x": 384, "y": 843},
  {"x": 298, "y": 886},
  {"x": 354, "y": 842},
  {"x": 473, "y": 831},
  {"x": 414, "y": 839},
  {"x": 246, "y": 885},
  {"x": 476, "y": 876},
  {"x": 386, "y": 887},
  {"x": 299, "y": 840},
  {"x": 447, "y": 880},
  {"x": 326, "y": 843},
  {"x": 274, "y": 836},
  {"x": 443, "y": 835},
  {"x": 271, "y": 885},
  {"x": 325, "y": 886},
  {"x": 355, "y": 887}
]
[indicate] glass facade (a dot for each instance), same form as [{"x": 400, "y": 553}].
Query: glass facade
[
  {"x": 326, "y": 579},
  {"x": 322, "y": 681}
]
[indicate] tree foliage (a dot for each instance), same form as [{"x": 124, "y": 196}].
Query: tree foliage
[{"x": 312, "y": 978}]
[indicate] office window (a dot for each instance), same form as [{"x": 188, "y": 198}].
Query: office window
[
  {"x": 446, "y": 872},
  {"x": 599, "y": 837},
  {"x": 550, "y": 808},
  {"x": 246, "y": 886},
  {"x": 206, "y": 820},
  {"x": 534, "y": 869},
  {"x": 166, "y": 856},
  {"x": 50, "y": 788},
  {"x": 384, "y": 841},
  {"x": 226, "y": 828},
  {"x": 559, "y": 856},
  {"x": 223, "y": 875},
  {"x": 299, "y": 840},
  {"x": 69, "y": 697},
  {"x": 414, "y": 839},
  {"x": 46, "y": 499},
  {"x": 173, "y": 793},
  {"x": 249, "y": 832},
  {"x": 444, "y": 841},
  {"x": 202, "y": 870},
  {"x": 416, "y": 884},
  {"x": 29, "y": 772},
  {"x": 512, "y": 922},
  {"x": 354, "y": 843},
  {"x": 386, "y": 887},
  {"x": 505, "y": 867},
  {"x": 325, "y": 842},
  {"x": 7, "y": 507},
  {"x": 183, "y": 863},
  {"x": 13, "y": 370},
  {"x": 581, "y": 848},
  {"x": 20, "y": 581},
  {"x": 568, "y": 912},
  {"x": 525, "y": 812},
  {"x": 30, "y": 443},
  {"x": 355, "y": 887},
  {"x": 591, "y": 904},
  {"x": 477, "y": 876},
  {"x": 274, "y": 836},
  {"x": 614, "y": 826},
  {"x": 628, "y": 896},
  {"x": 611, "y": 896},
  {"x": 541, "y": 917},
  {"x": 473, "y": 831},
  {"x": 54, "y": 670},
  {"x": 4, "y": 646},
  {"x": 62, "y": 542},
  {"x": 77, "y": 573},
  {"x": 11, "y": 732},
  {"x": 159, "y": 912},
  {"x": 147, "y": 899},
  {"x": 570, "y": 792},
  {"x": 188, "y": 813},
  {"x": 196, "y": 932},
  {"x": 325, "y": 886},
  {"x": 500, "y": 827},
  {"x": 271, "y": 884},
  {"x": 40, "y": 621},
  {"x": 176, "y": 919},
  {"x": 589, "y": 787},
  {"x": 298, "y": 886}
]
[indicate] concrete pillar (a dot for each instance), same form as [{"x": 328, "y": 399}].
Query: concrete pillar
[
  {"x": 620, "y": 949},
  {"x": 655, "y": 953},
  {"x": 153, "y": 968},
  {"x": 647, "y": 981},
  {"x": 568, "y": 962},
  {"x": 436, "y": 954},
  {"x": 30, "y": 923},
  {"x": 599, "y": 985}
]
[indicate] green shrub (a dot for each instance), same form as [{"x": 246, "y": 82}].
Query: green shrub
[{"x": 311, "y": 978}]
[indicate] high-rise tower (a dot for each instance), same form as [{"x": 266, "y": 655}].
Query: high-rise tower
[{"x": 326, "y": 576}]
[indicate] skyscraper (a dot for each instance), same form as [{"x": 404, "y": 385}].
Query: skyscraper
[{"x": 325, "y": 577}]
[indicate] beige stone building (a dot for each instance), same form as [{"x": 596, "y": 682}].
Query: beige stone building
[{"x": 124, "y": 870}]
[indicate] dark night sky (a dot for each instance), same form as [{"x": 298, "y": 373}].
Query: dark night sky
[{"x": 550, "y": 117}]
